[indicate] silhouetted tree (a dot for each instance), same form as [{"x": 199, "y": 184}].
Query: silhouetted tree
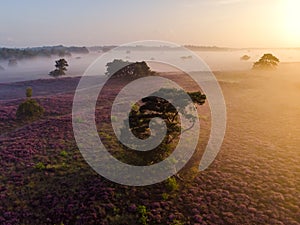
[
  {"x": 115, "y": 66},
  {"x": 151, "y": 107},
  {"x": 267, "y": 61},
  {"x": 245, "y": 57},
  {"x": 61, "y": 67},
  {"x": 120, "y": 68}
]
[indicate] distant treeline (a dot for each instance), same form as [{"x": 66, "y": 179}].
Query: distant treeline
[
  {"x": 61, "y": 51},
  {"x": 158, "y": 48},
  {"x": 130, "y": 48},
  {"x": 46, "y": 51},
  {"x": 102, "y": 48},
  {"x": 207, "y": 48}
]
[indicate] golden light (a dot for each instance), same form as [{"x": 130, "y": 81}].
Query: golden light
[{"x": 292, "y": 20}]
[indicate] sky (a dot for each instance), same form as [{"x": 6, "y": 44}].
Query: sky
[{"x": 224, "y": 23}]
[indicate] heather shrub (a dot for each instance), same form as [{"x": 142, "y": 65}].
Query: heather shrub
[
  {"x": 29, "y": 92},
  {"x": 30, "y": 108},
  {"x": 40, "y": 166},
  {"x": 171, "y": 184},
  {"x": 142, "y": 210},
  {"x": 165, "y": 196},
  {"x": 63, "y": 153}
]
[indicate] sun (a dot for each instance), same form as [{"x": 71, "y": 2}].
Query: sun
[{"x": 292, "y": 19}]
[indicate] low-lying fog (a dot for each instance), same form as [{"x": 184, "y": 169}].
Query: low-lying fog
[
  {"x": 39, "y": 68},
  {"x": 216, "y": 60}
]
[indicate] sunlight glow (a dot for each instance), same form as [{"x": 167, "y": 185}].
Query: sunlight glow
[{"x": 292, "y": 19}]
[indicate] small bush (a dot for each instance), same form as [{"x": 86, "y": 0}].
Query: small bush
[
  {"x": 63, "y": 153},
  {"x": 177, "y": 222},
  {"x": 29, "y": 92},
  {"x": 171, "y": 184},
  {"x": 142, "y": 210},
  {"x": 245, "y": 57},
  {"x": 165, "y": 196},
  {"x": 29, "y": 110},
  {"x": 40, "y": 166}
]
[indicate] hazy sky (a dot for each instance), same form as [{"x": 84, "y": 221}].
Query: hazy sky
[{"x": 229, "y": 23}]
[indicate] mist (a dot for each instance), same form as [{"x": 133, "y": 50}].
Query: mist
[{"x": 230, "y": 60}]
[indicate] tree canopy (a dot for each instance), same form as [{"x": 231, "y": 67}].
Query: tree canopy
[
  {"x": 61, "y": 67},
  {"x": 267, "y": 61},
  {"x": 119, "y": 68},
  {"x": 46, "y": 51},
  {"x": 245, "y": 57},
  {"x": 153, "y": 106}
]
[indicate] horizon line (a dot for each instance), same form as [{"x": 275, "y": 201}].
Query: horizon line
[{"x": 118, "y": 45}]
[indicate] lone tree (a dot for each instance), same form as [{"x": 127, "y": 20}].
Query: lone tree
[
  {"x": 30, "y": 108},
  {"x": 267, "y": 61},
  {"x": 151, "y": 107},
  {"x": 245, "y": 57},
  {"x": 119, "y": 68},
  {"x": 61, "y": 67},
  {"x": 115, "y": 66}
]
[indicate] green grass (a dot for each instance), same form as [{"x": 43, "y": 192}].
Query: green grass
[
  {"x": 171, "y": 184},
  {"x": 40, "y": 166}
]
